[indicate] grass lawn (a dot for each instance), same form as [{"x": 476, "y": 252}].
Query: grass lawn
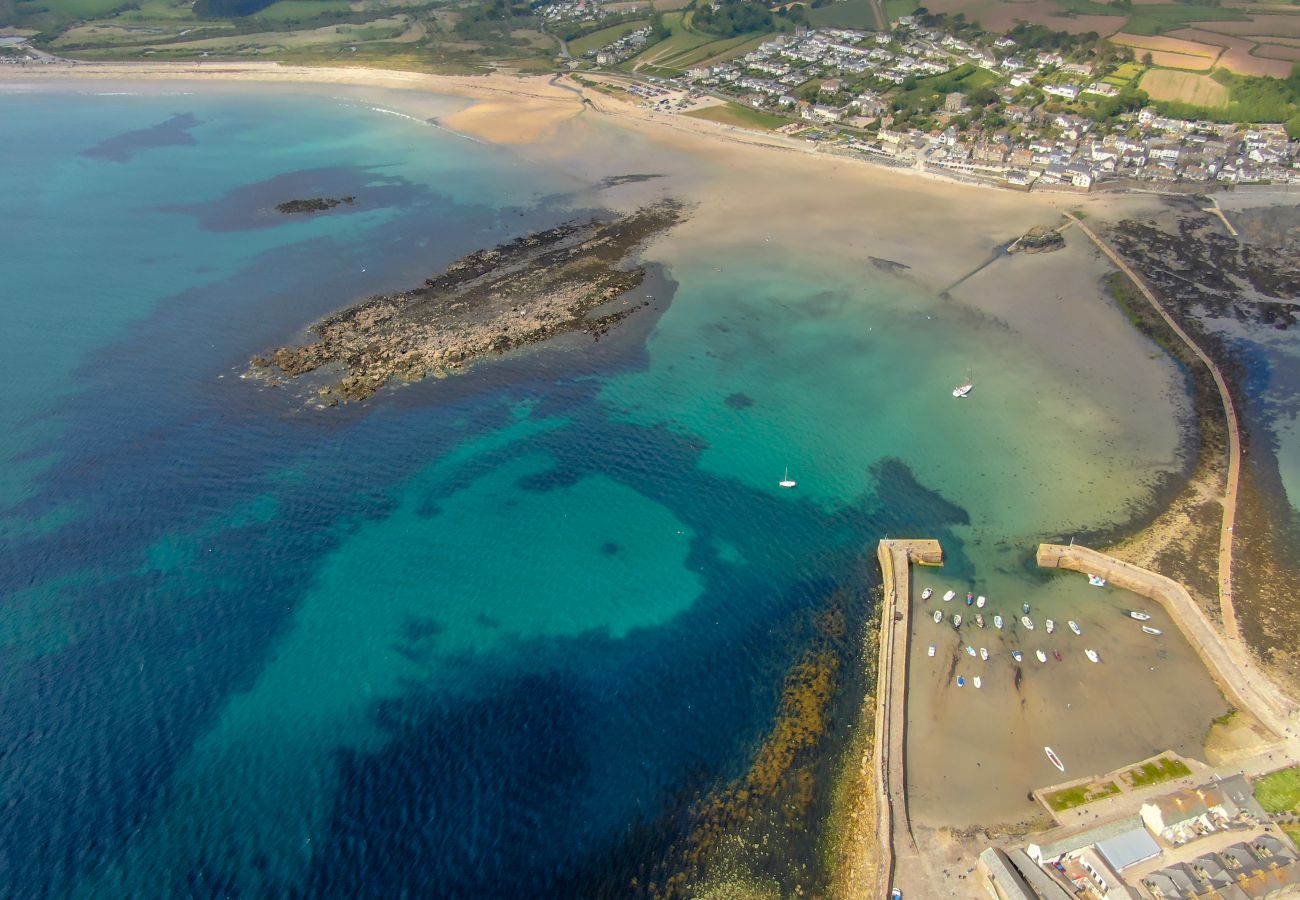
[
  {"x": 740, "y": 116},
  {"x": 599, "y": 39},
  {"x": 1088, "y": 8},
  {"x": 301, "y": 10},
  {"x": 1157, "y": 19},
  {"x": 1279, "y": 792},
  {"x": 1078, "y": 796},
  {"x": 1162, "y": 769}
]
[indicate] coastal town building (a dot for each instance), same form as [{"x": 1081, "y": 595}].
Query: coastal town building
[{"x": 1038, "y": 130}]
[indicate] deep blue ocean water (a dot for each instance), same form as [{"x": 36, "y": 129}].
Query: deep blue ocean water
[{"x": 462, "y": 640}]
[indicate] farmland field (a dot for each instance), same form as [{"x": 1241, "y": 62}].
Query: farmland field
[
  {"x": 1184, "y": 87},
  {"x": 1159, "y": 19},
  {"x": 1171, "y": 52},
  {"x": 999, "y": 15},
  {"x": 1237, "y": 54},
  {"x": 602, "y": 38},
  {"x": 847, "y": 14}
]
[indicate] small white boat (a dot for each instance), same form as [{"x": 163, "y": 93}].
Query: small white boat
[
  {"x": 931, "y": 650},
  {"x": 970, "y": 651},
  {"x": 1074, "y": 626},
  {"x": 1092, "y": 655},
  {"x": 997, "y": 622},
  {"x": 1042, "y": 657},
  {"x": 938, "y": 617},
  {"x": 980, "y": 601},
  {"x": 927, "y": 593},
  {"x": 1149, "y": 630},
  {"x": 787, "y": 481},
  {"x": 1055, "y": 760},
  {"x": 1027, "y": 622},
  {"x": 963, "y": 390},
  {"x": 1139, "y": 615},
  {"x": 1017, "y": 656},
  {"x": 956, "y": 620},
  {"x": 979, "y": 619},
  {"x": 1051, "y": 626},
  {"x": 947, "y": 598},
  {"x": 984, "y": 653},
  {"x": 1096, "y": 581},
  {"x": 977, "y": 681}
]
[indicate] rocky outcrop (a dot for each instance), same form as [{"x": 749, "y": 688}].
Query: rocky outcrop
[
  {"x": 313, "y": 204},
  {"x": 531, "y": 289}
]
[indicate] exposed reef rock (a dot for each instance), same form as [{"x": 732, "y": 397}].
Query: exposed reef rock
[
  {"x": 313, "y": 204},
  {"x": 1039, "y": 239},
  {"x": 534, "y": 288}
]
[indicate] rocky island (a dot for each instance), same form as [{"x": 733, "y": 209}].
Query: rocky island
[
  {"x": 313, "y": 204},
  {"x": 528, "y": 290}
]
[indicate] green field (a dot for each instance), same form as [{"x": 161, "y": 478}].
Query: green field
[
  {"x": 1279, "y": 792},
  {"x": 858, "y": 14},
  {"x": 1080, "y": 795},
  {"x": 740, "y": 116},
  {"x": 603, "y": 38},
  {"x": 896, "y": 8},
  {"x": 685, "y": 47},
  {"x": 1124, "y": 74},
  {"x": 301, "y": 10},
  {"x": 930, "y": 91},
  {"x": 1157, "y": 19},
  {"x": 1162, "y": 769},
  {"x": 68, "y": 10}
]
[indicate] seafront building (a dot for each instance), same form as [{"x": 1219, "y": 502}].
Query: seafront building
[
  {"x": 848, "y": 89},
  {"x": 1210, "y": 841}
]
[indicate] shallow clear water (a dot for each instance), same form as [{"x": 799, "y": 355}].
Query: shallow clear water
[{"x": 469, "y": 634}]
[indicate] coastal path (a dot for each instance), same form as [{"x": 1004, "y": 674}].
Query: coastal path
[{"x": 1226, "y": 608}]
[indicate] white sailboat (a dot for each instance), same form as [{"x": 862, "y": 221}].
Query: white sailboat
[
  {"x": 787, "y": 481},
  {"x": 938, "y": 617},
  {"x": 1051, "y": 626},
  {"x": 947, "y": 598},
  {"x": 980, "y": 601},
  {"x": 963, "y": 390},
  {"x": 997, "y": 622},
  {"x": 927, "y": 593},
  {"x": 1092, "y": 655},
  {"x": 1074, "y": 626}
]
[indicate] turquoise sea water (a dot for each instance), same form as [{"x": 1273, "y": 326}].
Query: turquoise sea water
[{"x": 465, "y": 638}]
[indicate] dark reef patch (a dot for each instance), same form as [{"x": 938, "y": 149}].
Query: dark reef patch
[
  {"x": 739, "y": 401},
  {"x": 175, "y": 132}
]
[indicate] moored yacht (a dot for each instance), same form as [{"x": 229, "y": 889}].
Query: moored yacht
[
  {"x": 1051, "y": 626},
  {"x": 932, "y": 648},
  {"x": 970, "y": 651},
  {"x": 984, "y": 653},
  {"x": 1017, "y": 656},
  {"x": 1074, "y": 626},
  {"x": 1027, "y": 622},
  {"x": 979, "y": 619},
  {"x": 927, "y": 593},
  {"x": 947, "y": 598},
  {"x": 956, "y": 620},
  {"x": 1149, "y": 630},
  {"x": 997, "y": 622},
  {"x": 1042, "y": 657},
  {"x": 977, "y": 681},
  {"x": 1139, "y": 615},
  {"x": 1092, "y": 655},
  {"x": 1096, "y": 581},
  {"x": 938, "y": 617},
  {"x": 980, "y": 601}
]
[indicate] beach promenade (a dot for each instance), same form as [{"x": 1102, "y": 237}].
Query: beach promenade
[{"x": 900, "y": 859}]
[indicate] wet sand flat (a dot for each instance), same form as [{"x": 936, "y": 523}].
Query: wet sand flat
[{"x": 975, "y": 754}]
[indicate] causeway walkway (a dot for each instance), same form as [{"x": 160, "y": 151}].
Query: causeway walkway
[{"x": 1226, "y": 607}]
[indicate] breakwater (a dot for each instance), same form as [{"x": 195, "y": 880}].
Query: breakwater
[
  {"x": 899, "y": 855},
  {"x": 1228, "y": 662}
]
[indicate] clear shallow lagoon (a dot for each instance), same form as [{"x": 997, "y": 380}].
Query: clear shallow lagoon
[{"x": 470, "y": 634}]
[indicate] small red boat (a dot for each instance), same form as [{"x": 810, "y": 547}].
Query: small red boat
[{"x": 1057, "y": 654}]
